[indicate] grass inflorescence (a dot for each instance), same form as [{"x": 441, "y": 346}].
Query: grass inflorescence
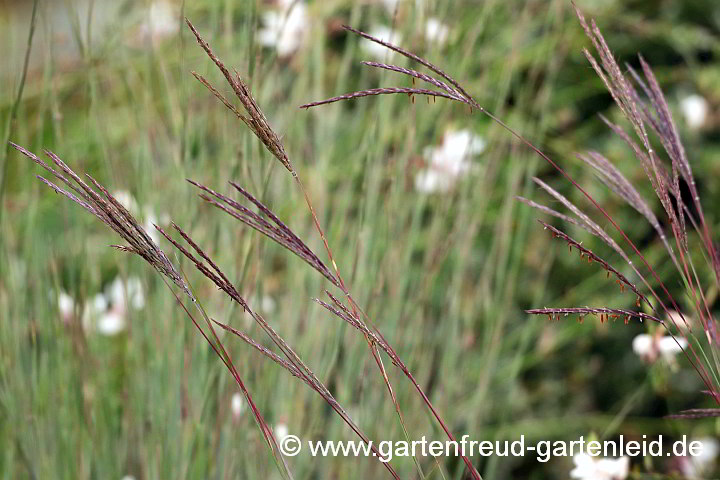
[{"x": 648, "y": 117}]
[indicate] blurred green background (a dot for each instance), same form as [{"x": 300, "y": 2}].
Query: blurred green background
[{"x": 446, "y": 275}]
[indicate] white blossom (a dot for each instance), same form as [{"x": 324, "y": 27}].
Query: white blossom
[
  {"x": 268, "y": 304},
  {"x": 680, "y": 321},
  {"x": 149, "y": 226},
  {"x": 106, "y": 312},
  {"x": 592, "y": 468},
  {"x": 98, "y": 315},
  {"x": 66, "y": 306},
  {"x": 281, "y": 431},
  {"x": 429, "y": 181},
  {"x": 651, "y": 347},
  {"x": 93, "y": 310},
  {"x": 449, "y": 161},
  {"x": 287, "y": 28},
  {"x": 237, "y": 405},
  {"x": 698, "y": 466},
  {"x": 111, "y": 323},
  {"x": 161, "y": 21},
  {"x": 390, "y": 5},
  {"x": 99, "y": 303},
  {"x": 129, "y": 292},
  {"x": 376, "y": 50},
  {"x": 436, "y": 31},
  {"x": 695, "y": 109}
]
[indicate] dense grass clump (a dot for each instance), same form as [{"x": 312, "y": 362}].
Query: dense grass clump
[{"x": 420, "y": 313}]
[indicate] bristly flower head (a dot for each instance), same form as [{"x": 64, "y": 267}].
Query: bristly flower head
[
  {"x": 253, "y": 117},
  {"x": 645, "y": 117},
  {"x": 111, "y": 212}
]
